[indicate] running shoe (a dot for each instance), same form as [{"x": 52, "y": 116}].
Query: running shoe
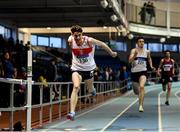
[
  {"x": 141, "y": 108},
  {"x": 167, "y": 102},
  {"x": 71, "y": 116},
  {"x": 93, "y": 93}
]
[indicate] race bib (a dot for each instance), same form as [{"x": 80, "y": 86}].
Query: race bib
[
  {"x": 82, "y": 60},
  {"x": 167, "y": 68},
  {"x": 140, "y": 62}
]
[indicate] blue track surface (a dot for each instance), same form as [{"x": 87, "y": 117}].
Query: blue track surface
[{"x": 121, "y": 114}]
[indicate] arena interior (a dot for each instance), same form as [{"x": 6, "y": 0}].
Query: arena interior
[{"x": 36, "y": 82}]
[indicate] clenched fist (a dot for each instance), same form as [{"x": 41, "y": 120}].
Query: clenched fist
[{"x": 114, "y": 54}]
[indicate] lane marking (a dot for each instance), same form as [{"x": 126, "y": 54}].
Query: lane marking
[
  {"x": 159, "y": 107},
  {"x": 159, "y": 112},
  {"x": 113, "y": 120},
  {"x": 176, "y": 94},
  {"x": 79, "y": 115},
  {"x": 119, "y": 115},
  {"x": 101, "y": 105}
]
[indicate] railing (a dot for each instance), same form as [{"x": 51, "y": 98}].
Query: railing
[
  {"x": 132, "y": 14},
  {"x": 51, "y": 101},
  {"x": 56, "y": 103}
]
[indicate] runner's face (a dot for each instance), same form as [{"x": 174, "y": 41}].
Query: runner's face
[
  {"x": 167, "y": 54},
  {"x": 140, "y": 43},
  {"x": 77, "y": 36}
]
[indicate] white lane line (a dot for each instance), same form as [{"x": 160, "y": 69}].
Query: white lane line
[
  {"x": 79, "y": 115},
  {"x": 111, "y": 122},
  {"x": 159, "y": 109},
  {"x": 108, "y": 102},
  {"x": 176, "y": 94},
  {"x": 159, "y": 112}
]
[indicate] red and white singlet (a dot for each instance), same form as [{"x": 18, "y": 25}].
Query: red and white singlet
[{"x": 82, "y": 56}]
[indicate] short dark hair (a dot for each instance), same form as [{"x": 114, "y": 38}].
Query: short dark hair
[
  {"x": 167, "y": 51},
  {"x": 76, "y": 28},
  {"x": 140, "y": 37}
]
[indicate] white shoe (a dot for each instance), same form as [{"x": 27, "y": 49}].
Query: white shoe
[{"x": 141, "y": 108}]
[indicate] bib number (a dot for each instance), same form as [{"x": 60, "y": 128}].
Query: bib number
[
  {"x": 83, "y": 60},
  {"x": 167, "y": 68},
  {"x": 140, "y": 62}
]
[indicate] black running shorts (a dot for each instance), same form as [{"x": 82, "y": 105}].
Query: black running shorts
[
  {"x": 136, "y": 75},
  {"x": 85, "y": 74}
]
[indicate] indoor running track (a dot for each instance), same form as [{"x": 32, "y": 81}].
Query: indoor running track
[{"x": 121, "y": 114}]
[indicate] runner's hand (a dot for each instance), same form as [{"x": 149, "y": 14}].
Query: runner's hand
[
  {"x": 153, "y": 68},
  {"x": 114, "y": 54}
]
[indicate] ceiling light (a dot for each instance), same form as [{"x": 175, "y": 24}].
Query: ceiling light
[
  {"x": 114, "y": 18},
  {"x": 162, "y": 40},
  {"x": 130, "y": 36},
  {"x": 48, "y": 28},
  {"x": 124, "y": 33},
  {"x": 104, "y": 3},
  {"x": 168, "y": 36},
  {"x": 120, "y": 27},
  {"x": 104, "y": 27}
]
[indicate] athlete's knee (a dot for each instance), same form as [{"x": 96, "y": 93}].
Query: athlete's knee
[
  {"x": 141, "y": 87},
  {"x": 136, "y": 91},
  {"x": 89, "y": 83},
  {"x": 169, "y": 88},
  {"x": 76, "y": 88},
  {"x": 135, "y": 87},
  {"x": 89, "y": 87},
  {"x": 76, "y": 85}
]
